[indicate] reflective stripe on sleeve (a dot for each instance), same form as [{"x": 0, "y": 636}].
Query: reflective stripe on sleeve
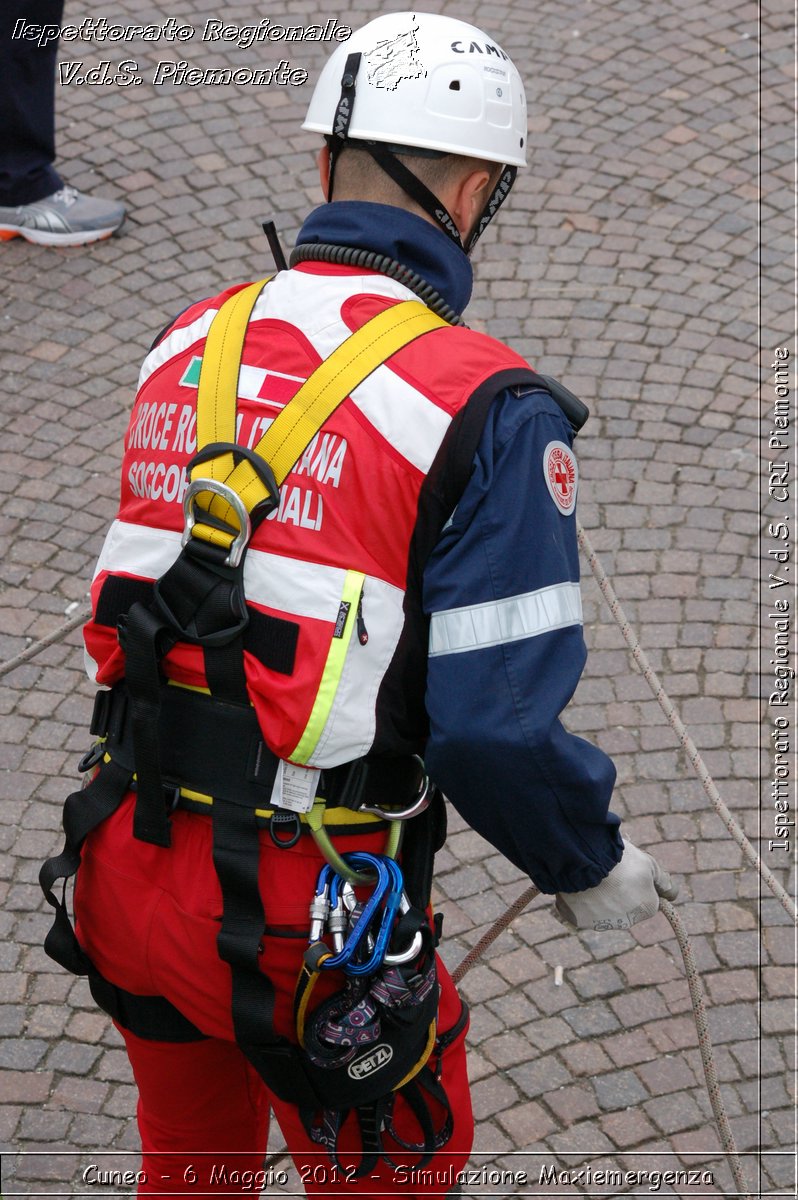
[{"x": 497, "y": 622}]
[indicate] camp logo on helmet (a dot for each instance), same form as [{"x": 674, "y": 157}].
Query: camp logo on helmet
[
  {"x": 367, "y": 1064},
  {"x": 395, "y": 59},
  {"x": 342, "y": 117},
  {"x": 476, "y": 48}
]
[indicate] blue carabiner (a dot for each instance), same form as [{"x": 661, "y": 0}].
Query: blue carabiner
[
  {"x": 393, "y": 897},
  {"x": 358, "y": 859}
]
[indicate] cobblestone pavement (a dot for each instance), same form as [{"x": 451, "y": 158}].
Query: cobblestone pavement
[{"x": 626, "y": 264}]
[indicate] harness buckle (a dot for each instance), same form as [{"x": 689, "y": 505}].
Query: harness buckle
[{"x": 241, "y": 539}]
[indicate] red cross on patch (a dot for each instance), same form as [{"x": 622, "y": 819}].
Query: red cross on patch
[{"x": 561, "y": 475}]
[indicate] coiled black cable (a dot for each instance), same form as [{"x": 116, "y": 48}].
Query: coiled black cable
[{"x": 349, "y": 256}]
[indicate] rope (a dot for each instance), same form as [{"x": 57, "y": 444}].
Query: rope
[
  {"x": 705, "y": 1045},
  {"x": 496, "y": 928},
  {"x": 676, "y": 723},
  {"x": 36, "y": 647},
  {"x": 696, "y": 998}
]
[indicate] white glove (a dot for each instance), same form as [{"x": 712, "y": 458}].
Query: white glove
[{"x": 630, "y": 893}]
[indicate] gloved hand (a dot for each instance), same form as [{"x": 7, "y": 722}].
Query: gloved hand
[{"x": 630, "y": 893}]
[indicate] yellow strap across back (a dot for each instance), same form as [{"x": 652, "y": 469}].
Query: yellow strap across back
[{"x": 295, "y": 427}]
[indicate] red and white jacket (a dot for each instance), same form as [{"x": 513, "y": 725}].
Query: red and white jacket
[{"x": 333, "y": 558}]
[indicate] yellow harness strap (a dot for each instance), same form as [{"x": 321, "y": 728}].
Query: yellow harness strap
[{"x": 302, "y": 418}]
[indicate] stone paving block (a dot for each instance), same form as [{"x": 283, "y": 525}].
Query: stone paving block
[
  {"x": 625, "y": 264},
  {"x": 536, "y": 1078},
  {"x": 572, "y": 1103},
  {"x": 526, "y": 1123}
]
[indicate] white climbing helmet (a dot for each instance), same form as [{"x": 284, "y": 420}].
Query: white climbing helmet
[{"x": 427, "y": 81}]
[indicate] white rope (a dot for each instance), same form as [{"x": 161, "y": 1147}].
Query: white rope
[
  {"x": 35, "y": 648},
  {"x": 676, "y": 723},
  {"x": 696, "y": 998}
]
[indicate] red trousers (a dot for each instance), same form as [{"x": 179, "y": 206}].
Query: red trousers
[{"x": 149, "y": 918}]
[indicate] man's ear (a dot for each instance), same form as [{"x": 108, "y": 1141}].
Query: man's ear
[
  {"x": 468, "y": 199},
  {"x": 323, "y": 161}
]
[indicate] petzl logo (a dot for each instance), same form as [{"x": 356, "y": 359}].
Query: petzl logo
[{"x": 375, "y": 1060}]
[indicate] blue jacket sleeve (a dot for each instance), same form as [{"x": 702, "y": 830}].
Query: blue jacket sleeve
[{"x": 506, "y": 652}]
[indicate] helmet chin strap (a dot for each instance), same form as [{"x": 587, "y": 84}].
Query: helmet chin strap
[
  {"x": 389, "y": 162},
  {"x": 494, "y": 202}
]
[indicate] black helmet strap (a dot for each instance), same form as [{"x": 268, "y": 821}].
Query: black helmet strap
[
  {"x": 494, "y": 203},
  {"x": 412, "y": 186},
  {"x": 343, "y": 114}
]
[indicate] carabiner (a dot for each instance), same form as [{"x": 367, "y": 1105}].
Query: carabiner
[
  {"x": 352, "y": 943},
  {"x": 320, "y": 905},
  {"x": 412, "y": 952},
  {"x": 393, "y": 896},
  {"x": 342, "y": 902}
]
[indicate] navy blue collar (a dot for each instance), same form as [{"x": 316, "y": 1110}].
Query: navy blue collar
[{"x": 400, "y": 235}]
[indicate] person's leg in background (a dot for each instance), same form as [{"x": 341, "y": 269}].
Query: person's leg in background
[{"x": 34, "y": 201}]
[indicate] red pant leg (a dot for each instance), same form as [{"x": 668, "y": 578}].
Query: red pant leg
[
  {"x": 203, "y": 1114},
  {"x": 149, "y": 919}
]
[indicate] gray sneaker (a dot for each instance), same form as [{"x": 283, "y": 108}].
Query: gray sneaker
[{"x": 67, "y": 218}]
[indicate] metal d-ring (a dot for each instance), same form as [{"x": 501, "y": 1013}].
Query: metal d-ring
[
  {"x": 404, "y": 814},
  {"x": 241, "y": 539}
]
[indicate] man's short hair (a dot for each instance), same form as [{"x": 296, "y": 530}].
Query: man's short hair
[{"x": 358, "y": 177}]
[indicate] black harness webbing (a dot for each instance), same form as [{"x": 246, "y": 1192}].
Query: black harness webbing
[{"x": 84, "y": 810}]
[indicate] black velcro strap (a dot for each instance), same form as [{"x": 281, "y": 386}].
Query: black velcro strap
[
  {"x": 142, "y": 643},
  {"x": 205, "y": 745},
  {"x": 272, "y": 640},
  {"x": 117, "y": 594},
  {"x": 224, "y": 671},
  {"x": 236, "y": 857}
]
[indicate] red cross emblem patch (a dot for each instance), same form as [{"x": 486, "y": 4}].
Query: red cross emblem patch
[{"x": 561, "y": 475}]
